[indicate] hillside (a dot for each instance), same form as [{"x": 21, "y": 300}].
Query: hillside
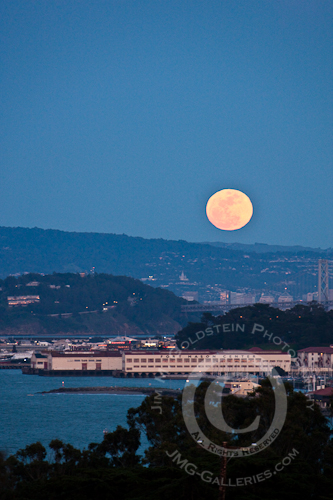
[
  {"x": 300, "y": 327},
  {"x": 90, "y": 304},
  {"x": 208, "y": 269}
]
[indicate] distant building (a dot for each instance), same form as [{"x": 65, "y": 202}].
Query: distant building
[
  {"x": 183, "y": 277},
  {"x": 85, "y": 347},
  {"x": 121, "y": 343},
  {"x": 285, "y": 298},
  {"x": 183, "y": 362},
  {"x": 148, "y": 344},
  {"x": 190, "y": 296},
  {"x": 22, "y": 300},
  {"x": 173, "y": 361},
  {"x": 239, "y": 387},
  {"x": 313, "y": 296},
  {"x": 168, "y": 344},
  {"x": 236, "y": 298},
  {"x": 77, "y": 361},
  {"x": 318, "y": 359},
  {"x": 61, "y": 345},
  {"x": 241, "y": 298},
  {"x": 266, "y": 299},
  {"x": 224, "y": 297},
  {"x": 322, "y": 397},
  {"x": 310, "y": 297},
  {"x": 39, "y": 361}
]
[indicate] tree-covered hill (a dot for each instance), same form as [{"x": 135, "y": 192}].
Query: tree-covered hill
[
  {"x": 300, "y": 327},
  {"x": 94, "y": 303}
]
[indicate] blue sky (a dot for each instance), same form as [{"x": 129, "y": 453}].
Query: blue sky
[{"x": 126, "y": 116}]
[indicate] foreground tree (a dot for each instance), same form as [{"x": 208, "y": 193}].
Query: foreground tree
[{"x": 297, "y": 465}]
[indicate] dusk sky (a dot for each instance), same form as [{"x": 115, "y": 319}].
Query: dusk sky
[{"x": 126, "y": 116}]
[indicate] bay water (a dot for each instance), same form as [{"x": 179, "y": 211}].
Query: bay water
[{"x": 79, "y": 419}]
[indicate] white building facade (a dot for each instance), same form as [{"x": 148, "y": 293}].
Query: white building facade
[
  {"x": 78, "y": 361},
  {"x": 316, "y": 359},
  {"x": 182, "y": 362},
  {"x": 166, "y": 361}
]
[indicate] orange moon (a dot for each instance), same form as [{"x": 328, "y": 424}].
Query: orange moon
[{"x": 229, "y": 209}]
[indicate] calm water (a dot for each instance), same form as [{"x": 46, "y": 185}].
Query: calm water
[{"x": 79, "y": 419}]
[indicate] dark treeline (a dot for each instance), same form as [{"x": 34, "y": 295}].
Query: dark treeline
[
  {"x": 300, "y": 327},
  {"x": 113, "y": 469}
]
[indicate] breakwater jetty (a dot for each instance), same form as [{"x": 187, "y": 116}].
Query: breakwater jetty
[{"x": 146, "y": 391}]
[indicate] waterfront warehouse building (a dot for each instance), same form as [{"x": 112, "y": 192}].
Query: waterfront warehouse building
[
  {"x": 73, "y": 361},
  {"x": 182, "y": 362},
  {"x": 139, "y": 362}
]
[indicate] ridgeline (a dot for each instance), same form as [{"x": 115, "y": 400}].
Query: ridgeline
[{"x": 209, "y": 268}]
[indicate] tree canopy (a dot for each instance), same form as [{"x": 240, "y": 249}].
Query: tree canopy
[
  {"x": 300, "y": 327},
  {"x": 300, "y": 460}
]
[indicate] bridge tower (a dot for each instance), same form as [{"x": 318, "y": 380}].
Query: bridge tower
[{"x": 323, "y": 278}]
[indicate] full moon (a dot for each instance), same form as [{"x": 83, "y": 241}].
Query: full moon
[{"x": 229, "y": 209}]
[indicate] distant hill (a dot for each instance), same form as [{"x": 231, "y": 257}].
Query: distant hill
[
  {"x": 38, "y": 250},
  {"x": 93, "y": 304},
  {"x": 208, "y": 269}
]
